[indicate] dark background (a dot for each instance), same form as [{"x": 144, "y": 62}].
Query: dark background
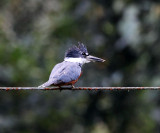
[{"x": 34, "y": 35}]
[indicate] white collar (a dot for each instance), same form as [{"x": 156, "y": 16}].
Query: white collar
[{"x": 76, "y": 60}]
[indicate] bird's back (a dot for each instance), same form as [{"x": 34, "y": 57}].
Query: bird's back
[{"x": 64, "y": 73}]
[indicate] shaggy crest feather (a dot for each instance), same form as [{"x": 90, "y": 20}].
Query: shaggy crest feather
[{"x": 76, "y": 51}]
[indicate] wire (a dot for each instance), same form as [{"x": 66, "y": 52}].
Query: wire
[{"x": 80, "y": 88}]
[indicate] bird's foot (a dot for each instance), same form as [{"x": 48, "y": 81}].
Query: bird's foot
[
  {"x": 60, "y": 88},
  {"x": 73, "y": 86}
]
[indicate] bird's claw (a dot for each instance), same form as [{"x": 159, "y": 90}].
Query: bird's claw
[{"x": 73, "y": 86}]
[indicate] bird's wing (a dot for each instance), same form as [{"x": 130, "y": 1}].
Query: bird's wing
[
  {"x": 65, "y": 72},
  {"x": 55, "y": 73},
  {"x": 56, "y": 70}
]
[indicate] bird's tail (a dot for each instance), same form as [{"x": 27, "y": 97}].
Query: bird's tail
[{"x": 46, "y": 84}]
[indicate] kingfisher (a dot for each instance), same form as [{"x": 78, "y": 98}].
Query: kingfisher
[{"x": 69, "y": 71}]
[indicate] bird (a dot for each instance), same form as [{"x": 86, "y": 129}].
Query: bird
[{"x": 69, "y": 71}]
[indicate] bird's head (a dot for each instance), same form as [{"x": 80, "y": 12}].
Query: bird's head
[{"x": 80, "y": 54}]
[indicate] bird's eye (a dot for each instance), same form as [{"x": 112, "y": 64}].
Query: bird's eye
[{"x": 83, "y": 53}]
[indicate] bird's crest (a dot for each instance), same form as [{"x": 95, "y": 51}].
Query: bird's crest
[
  {"x": 82, "y": 47},
  {"x": 76, "y": 51}
]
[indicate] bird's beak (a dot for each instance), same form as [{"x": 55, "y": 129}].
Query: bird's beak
[{"x": 94, "y": 59}]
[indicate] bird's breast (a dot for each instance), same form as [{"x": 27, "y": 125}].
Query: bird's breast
[{"x": 74, "y": 81}]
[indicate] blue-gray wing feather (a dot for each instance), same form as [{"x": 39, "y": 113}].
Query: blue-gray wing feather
[{"x": 64, "y": 72}]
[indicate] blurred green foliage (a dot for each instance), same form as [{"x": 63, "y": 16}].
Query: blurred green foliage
[{"x": 34, "y": 35}]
